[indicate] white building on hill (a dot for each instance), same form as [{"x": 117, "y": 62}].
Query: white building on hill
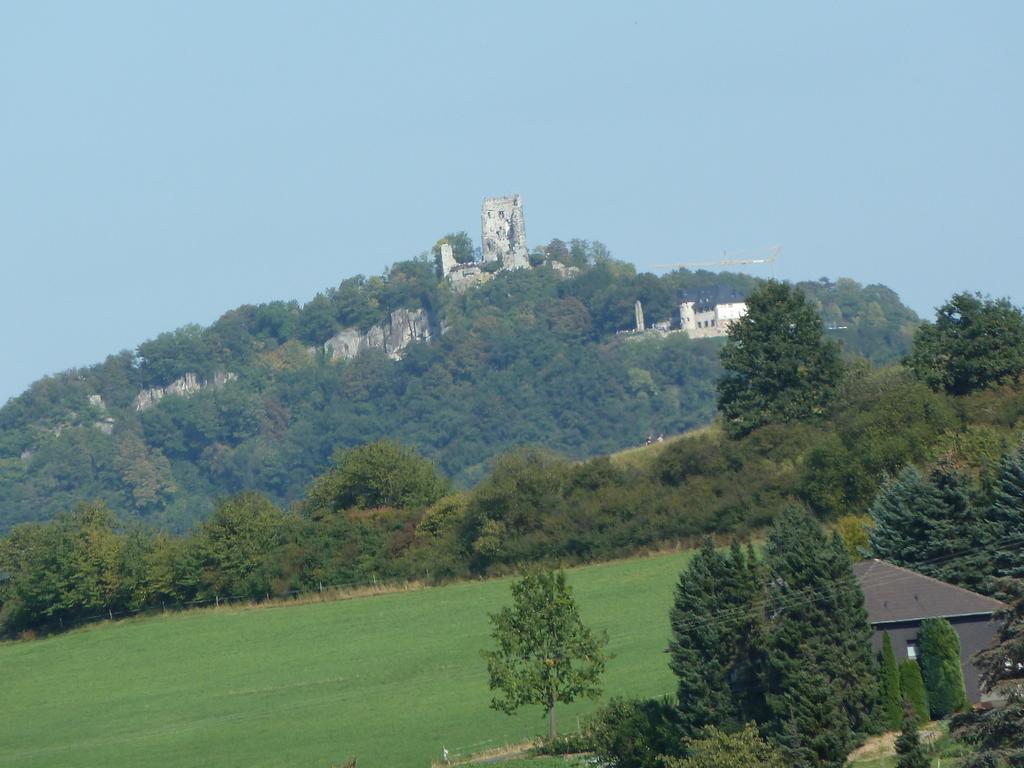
[{"x": 710, "y": 316}]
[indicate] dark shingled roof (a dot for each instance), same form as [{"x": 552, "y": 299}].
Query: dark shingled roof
[{"x": 892, "y": 594}]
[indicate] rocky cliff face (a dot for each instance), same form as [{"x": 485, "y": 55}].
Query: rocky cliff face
[
  {"x": 186, "y": 386},
  {"x": 404, "y": 327}
]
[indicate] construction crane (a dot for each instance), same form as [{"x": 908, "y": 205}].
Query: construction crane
[{"x": 728, "y": 260}]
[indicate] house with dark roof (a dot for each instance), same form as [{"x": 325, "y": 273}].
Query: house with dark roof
[{"x": 898, "y": 600}]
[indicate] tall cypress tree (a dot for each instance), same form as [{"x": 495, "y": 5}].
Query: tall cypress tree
[
  {"x": 914, "y": 693},
  {"x": 940, "y": 667},
  {"x": 892, "y": 698}
]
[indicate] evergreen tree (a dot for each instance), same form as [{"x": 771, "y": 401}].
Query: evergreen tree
[
  {"x": 818, "y": 652},
  {"x": 940, "y": 667},
  {"x": 998, "y": 734},
  {"x": 712, "y": 619},
  {"x": 814, "y": 733},
  {"x": 957, "y": 527},
  {"x": 914, "y": 693},
  {"x": 931, "y": 525},
  {"x": 1006, "y": 516},
  {"x": 908, "y": 744},
  {"x": 901, "y": 513},
  {"x": 892, "y": 698}
]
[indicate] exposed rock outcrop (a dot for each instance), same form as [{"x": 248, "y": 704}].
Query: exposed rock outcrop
[
  {"x": 186, "y": 386},
  {"x": 405, "y": 326}
]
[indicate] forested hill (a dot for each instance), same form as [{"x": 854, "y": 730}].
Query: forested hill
[{"x": 261, "y": 399}]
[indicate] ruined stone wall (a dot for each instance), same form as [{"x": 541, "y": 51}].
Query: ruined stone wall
[{"x": 503, "y": 232}]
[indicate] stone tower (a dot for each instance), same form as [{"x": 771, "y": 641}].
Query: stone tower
[{"x": 503, "y": 232}]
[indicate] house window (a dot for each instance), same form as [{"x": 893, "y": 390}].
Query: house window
[{"x": 912, "y": 650}]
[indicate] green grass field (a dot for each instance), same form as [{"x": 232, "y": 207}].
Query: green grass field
[{"x": 388, "y": 679}]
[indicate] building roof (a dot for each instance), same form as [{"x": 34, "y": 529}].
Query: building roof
[
  {"x": 894, "y": 594},
  {"x": 710, "y": 297}
]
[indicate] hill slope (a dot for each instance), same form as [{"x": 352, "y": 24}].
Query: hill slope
[
  {"x": 388, "y": 679},
  {"x": 263, "y": 397}
]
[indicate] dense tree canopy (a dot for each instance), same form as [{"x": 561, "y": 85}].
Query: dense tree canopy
[
  {"x": 777, "y": 364},
  {"x": 530, "y": 358},
  {"x": 973, "y": 343},
  {"x": 785, "y": 644}
]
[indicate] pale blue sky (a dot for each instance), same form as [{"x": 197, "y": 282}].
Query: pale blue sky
[{"x": 162, "y": 162}]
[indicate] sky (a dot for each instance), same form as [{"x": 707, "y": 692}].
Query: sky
[{"x": 163, "y": 162}]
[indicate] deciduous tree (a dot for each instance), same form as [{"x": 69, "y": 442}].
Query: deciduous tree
[
  {"x": 778, "y": 364},
  {"x": 974, "y": 342},
  {"x": 545, "y": 654},
  {"x": 721, "y": 749}
]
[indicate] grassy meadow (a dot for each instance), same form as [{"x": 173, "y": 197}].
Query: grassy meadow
[{"x": 388, "y": 679}]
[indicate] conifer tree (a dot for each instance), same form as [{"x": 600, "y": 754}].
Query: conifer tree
[
  {"x": 855, "y": 667},
  {"x": 815, "y": 733},
  {"x": 922, "y": 522},
  {"x": 901, "y": 511},
  {"x": 914, "y": 693},
  {"x": 957, "y": 527},
  {"x": 817, "y": 609},
  {"x": 892, "y": 698},
  {"x": 940, "y": 667},
  {"x": 997, "y": 735},
  {"x": 712, "y": 621},
  {"x": 908, "y": 744},
  {"x": 1006, "y": 517}
]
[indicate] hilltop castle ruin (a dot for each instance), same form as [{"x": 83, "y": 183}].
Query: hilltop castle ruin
[
  {"x": 503, "y": 232},
  {"x": 503, "y": 245}
]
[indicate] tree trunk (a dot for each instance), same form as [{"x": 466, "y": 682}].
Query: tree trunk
[{"x": 552, "y": 733}]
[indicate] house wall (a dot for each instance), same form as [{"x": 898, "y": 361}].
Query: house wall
[{"x": 976, "y": 634}]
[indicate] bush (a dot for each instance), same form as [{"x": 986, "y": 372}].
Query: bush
[
  {"x": 632, "y": 733},
  {"x": 717, "y": 749}
]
